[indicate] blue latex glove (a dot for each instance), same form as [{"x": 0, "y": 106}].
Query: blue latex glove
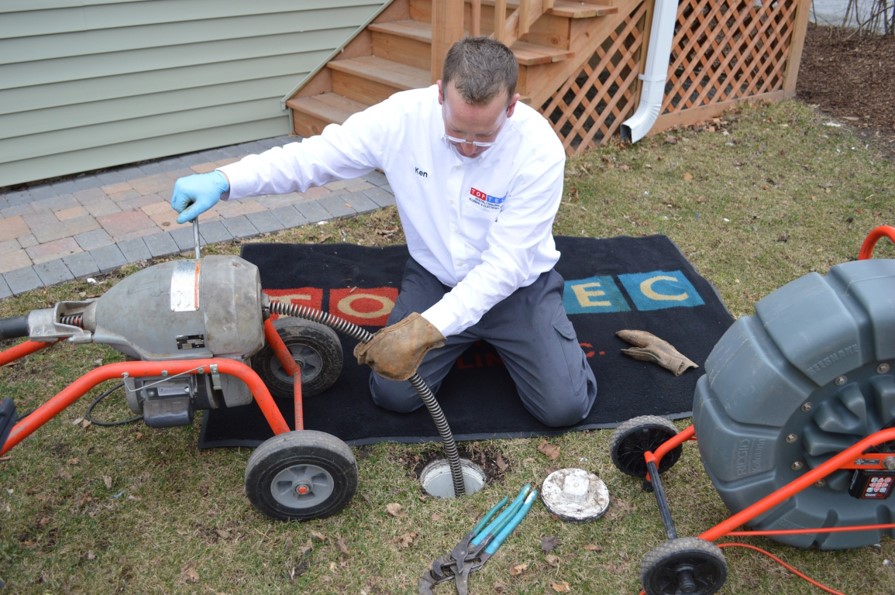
[{"x": 196, "y": 194}]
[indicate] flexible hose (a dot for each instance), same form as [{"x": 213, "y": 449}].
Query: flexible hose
[
  {"x": 425, "y": 393},
  {"x": 13, "y": 328}
]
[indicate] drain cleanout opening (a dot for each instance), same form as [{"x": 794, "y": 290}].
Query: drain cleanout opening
[{"x": 437, "y": 480}]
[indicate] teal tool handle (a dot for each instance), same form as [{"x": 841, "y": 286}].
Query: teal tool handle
[
  {"x": 517, "y": 518},
  {"x": 503, "y": 518},
  {"x": 488, "y": 516}
]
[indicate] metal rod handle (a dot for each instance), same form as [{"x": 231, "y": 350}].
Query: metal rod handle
[{"x": 196, "y": 236}]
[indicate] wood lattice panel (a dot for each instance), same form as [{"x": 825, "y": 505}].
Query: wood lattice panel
[
  {"x": 591, "y": 106},
  {"x": 728, "y": 50},
  {"x": 723, "y": 51}
]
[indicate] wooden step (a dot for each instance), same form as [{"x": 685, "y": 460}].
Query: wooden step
[
  {"x": 328, "y": 107},
  {"x": 401, "y": 58},
  {"x": 573, "y": 9},
  {"x": 570, "y": 9},
  {"x": 416, "y": 30},
  {"x": 406, "y": 42},
  {"x": 527, "y": 54},
  {"x": 373, "y": 68}
]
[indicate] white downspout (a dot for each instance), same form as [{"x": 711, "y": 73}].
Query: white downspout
[{"x": 655, "y": 73}]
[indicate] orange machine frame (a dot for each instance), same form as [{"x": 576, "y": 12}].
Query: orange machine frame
[{"x": 84, "y": 384}]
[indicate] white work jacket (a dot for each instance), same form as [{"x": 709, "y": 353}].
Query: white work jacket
[{"x": 482, "y": 226}]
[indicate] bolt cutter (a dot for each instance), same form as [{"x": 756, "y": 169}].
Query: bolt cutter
[{"x": 479, "y": 544}]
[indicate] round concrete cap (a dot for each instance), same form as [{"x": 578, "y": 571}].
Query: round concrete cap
[{"x": 575, "y": 495}]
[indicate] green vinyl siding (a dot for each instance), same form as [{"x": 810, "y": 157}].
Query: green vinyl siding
[{"x": 91, "y": 84}]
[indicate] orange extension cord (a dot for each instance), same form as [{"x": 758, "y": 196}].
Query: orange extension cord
[{"x": 790, "y": 568}]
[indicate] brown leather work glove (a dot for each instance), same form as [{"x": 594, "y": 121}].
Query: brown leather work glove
[
  {"x": 396, "y": 351},
  {"x": 650, "y": 348}
]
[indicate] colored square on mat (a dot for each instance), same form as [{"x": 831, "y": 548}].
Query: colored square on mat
[
  {"x": 312, "y": 297},
  {"x": 364, "y": 307},
  {"x": 660, "y": 290},
  {"x": 593, "y": 295}
]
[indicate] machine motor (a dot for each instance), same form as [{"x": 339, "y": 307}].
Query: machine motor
[
  {"x": 184, "y": 309},
  {"x": 168, "y": 401}
]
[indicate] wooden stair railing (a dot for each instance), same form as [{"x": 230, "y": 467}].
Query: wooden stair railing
[
  {"x": 404, "y": 46},
  {"x": 448, "y": 17}
]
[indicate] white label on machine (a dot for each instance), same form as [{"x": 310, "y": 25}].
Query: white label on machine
[{"x": 185, "y": 286}]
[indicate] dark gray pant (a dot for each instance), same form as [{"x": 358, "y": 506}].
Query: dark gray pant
[{"x": 530, "y": 332}]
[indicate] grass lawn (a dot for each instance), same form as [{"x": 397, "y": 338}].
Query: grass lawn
[{"x": 755, "y": 199}]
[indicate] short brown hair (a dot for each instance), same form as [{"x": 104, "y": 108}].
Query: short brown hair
[{"x": 480, "y": 69}]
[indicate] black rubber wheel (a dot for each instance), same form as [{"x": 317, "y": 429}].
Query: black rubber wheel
[
  {"x": 633, "y": 438},
  {"x": 314, "y": 346},
  {"x": 807, "y": 376},
  {"x": 301, "y": 476},
  {"x": 684, "y": 565}
]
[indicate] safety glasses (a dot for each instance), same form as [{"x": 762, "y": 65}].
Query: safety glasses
[
  {"x": 478, "y": 144},
  {"x": 475, "y": 143}
]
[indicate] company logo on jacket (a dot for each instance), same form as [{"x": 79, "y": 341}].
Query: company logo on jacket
[{"x": 485, "y": 200}]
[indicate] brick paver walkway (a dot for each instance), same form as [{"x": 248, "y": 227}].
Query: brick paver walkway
[{"x": 95, "y": 223}]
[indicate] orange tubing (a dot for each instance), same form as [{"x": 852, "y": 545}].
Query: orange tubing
[
  {"x": 285, "y": 358},
  {"x": 85, "y": 383},
  {"x": 298, "y": 404},
  {"x": 845, "y": 529},
  {"x": 21, "y": 350},
  {"x": 689, "y": 433},
  {"x": 871, "y": 239}
]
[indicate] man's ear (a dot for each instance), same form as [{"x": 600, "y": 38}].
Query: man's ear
[
  {"x": 512, "y": 106},
  {"x": 440, "y": 92}
]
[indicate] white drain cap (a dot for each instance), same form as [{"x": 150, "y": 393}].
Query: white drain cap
[{"x": 575, "y": 495}]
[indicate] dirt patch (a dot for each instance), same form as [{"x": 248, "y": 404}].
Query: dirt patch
[
  {"x": 851, "y": 77},
  {"x": 490, "y": 460}
]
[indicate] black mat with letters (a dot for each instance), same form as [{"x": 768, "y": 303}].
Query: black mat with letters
[{"x": 611, "y": 284}]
